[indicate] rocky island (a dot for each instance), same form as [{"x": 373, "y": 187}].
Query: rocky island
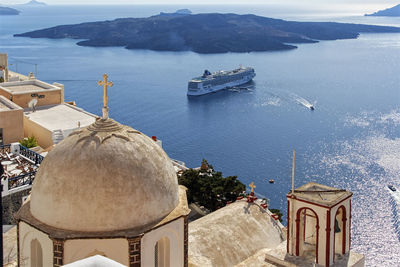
[
  {"x": 8, "y": 11},
  {"x": 389, "y": 12},
  {"x": 34, "y": 3},
  {"x": 205, "y": 33}
]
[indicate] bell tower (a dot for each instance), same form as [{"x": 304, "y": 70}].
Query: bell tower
[{"x": 319, "y": 222}]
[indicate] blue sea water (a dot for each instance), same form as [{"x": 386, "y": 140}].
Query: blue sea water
[{"x": 351, "y": 140}]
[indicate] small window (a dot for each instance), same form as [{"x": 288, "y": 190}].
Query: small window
[{"x": 1, "y": 136}]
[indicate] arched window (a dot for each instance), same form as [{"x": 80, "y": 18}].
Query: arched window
[
  {"x": 162, "y": 253},
  {"x": 307, "y": 233},
  {"x": 36, "y": 254}
]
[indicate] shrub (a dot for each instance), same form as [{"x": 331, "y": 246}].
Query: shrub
[
  {"x": 277, "y": 212},
  {"x": 29, "y": 142}
]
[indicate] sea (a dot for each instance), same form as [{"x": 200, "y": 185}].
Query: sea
[{"x": 351, "y": 140}]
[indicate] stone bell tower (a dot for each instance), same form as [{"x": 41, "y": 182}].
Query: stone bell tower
[{"x": 319, "y": 221}]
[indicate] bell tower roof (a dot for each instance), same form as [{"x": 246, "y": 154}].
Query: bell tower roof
[{"x": 320, "y": 194}]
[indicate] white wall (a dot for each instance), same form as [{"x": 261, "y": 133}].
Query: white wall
[
  {"x": 175, "y": 234},
  {"x": 26, "y": 235}
]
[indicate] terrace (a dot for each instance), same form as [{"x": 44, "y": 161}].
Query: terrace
[
  {"x": 28, "y": 86},
  {"x": 23, "y": 92},
  {"x": 20, "y": 165}
]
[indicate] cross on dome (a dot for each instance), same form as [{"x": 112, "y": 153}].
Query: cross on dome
[
  {"x": 252, "y": 186},
  {"x": 105, "y": 83}
]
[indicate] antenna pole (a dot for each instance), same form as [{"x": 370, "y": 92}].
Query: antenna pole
[
  {"x": 294, "y": 159},
  {"x": 292, "y": 206}
]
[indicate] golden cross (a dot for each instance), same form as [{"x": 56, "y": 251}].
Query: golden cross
[
  {"x": 105, "y": 84},
  {"x": 252, "y": 186}
]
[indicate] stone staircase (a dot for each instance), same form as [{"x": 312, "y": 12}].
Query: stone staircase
[{"x": 57, "y": 136}]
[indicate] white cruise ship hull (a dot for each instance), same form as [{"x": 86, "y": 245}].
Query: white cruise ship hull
[{"x": 202, "y": 90}]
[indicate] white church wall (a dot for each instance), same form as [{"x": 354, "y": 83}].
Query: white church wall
[
  {"x": 26, "y": 235},
  {"x": 115, "y": 249},
  {"x": 174, "y": 231}
]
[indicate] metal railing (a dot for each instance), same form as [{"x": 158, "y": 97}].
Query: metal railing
[
  {"x": 21, "y": 180},
  {"x": 32, "y": 155},
  {"x": 5, "y": 148},
  {"x": 14, "y": 184}
]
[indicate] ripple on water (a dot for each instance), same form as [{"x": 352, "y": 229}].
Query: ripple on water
[{"x": 366, "y": 165}]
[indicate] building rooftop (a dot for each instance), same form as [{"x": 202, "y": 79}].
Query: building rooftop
[
  {"x": 321, "y": 194},
  {"x": 232, "y": 234},
  {"x": 6, "y": 105},
  {"x": 63, "y": 117},
  {"x": 27, "y": 86},
  {"x": 15, "y": 76},
  {"x": 277, "y": 257}
]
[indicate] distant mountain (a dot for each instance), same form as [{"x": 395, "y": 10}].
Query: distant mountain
[
  {"x": 184, "y": 11},
  {"x": 390, "y": 12},
  {"x": 8, "y": 11},
  {"x": 179, "y": 12},
  {"x": 205, "y": 33},
  {"x": 34, "y": 3}
]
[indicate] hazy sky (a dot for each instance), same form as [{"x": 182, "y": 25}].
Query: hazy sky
[
  {"x": 387, "y": 3},
  {"x": 340, "y": 6}
]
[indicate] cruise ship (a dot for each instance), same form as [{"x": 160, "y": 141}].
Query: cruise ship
[{"x": 212, "y": 82}]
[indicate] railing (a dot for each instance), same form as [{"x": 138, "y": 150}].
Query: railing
[
  {"x": 5, "y": 148},
  {"x": 32, "y": 155},
  {"x": 14, "y": 184},
  {"x": 20, "y": 180}
]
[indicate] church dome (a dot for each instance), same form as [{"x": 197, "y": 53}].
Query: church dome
[{"x": 104, "y": 177}]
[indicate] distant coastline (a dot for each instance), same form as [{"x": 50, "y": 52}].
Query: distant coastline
[
  {"x": 8, "y": 11},
  {"x": 205, "y": 33},
  {"x": 389, "y": 12}
]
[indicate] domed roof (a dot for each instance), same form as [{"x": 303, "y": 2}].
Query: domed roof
[{"x": 104, "y": 177}]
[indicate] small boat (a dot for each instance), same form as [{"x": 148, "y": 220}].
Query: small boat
[
  {"x": 391, "y": 187},
  {"x": 311, "y": 107},
  {"x": 271, "y": 181}
]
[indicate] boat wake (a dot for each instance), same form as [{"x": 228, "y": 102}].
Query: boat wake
[
  {"x": 273, "y": 101},
  {"x": 395, "y": 203},
  {"x": 242, "y": 88},
  {"x": 303, "y": 102},
  {"x": 396, "y": 196}
]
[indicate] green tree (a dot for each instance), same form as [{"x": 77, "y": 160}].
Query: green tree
[
  {"x": 209, "y": 188},
  {"x": 29, "y": 142}
]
